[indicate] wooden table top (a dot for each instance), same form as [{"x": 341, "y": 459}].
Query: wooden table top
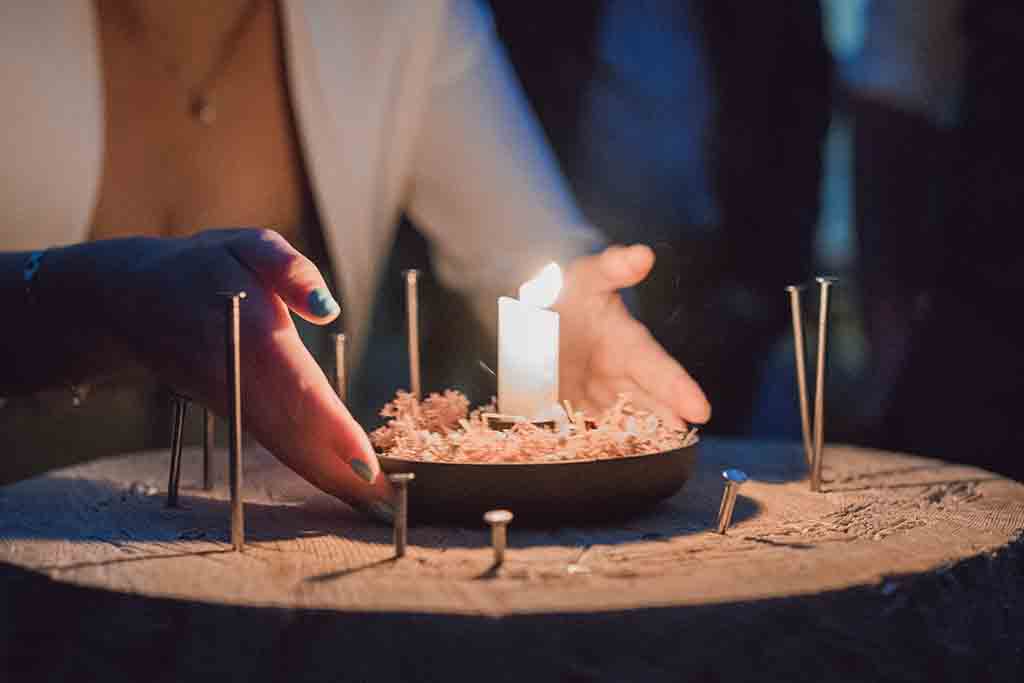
[{"x": 882, "y": 515}]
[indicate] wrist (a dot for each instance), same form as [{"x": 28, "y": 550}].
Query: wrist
[{"x": 71, "y": 298}]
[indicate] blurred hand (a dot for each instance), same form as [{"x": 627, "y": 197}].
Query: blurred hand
[
  {"x": 159, "y": 298},
  {"x": 604, "y": 351}
]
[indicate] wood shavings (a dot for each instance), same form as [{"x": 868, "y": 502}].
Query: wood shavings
[{"x": 441, "y": 428}]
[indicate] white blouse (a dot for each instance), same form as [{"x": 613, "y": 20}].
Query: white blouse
[{"x": 401, "y": 105}]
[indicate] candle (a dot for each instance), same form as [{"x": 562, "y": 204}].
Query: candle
[{"x": 528, "y": 348}]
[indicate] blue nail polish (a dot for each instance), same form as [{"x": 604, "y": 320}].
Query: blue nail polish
[
  {"x": 363, "y": 470},
  {"x": 321, "y": 303}
]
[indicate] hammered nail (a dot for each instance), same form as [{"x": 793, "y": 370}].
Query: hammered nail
[
  {"x": 734, "y": 479},
  {"x": 401, "y": 481},
  {"x": 825, "y": 284},
  {"x": 499, "y": 520}
]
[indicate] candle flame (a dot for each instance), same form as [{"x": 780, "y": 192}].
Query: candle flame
[{"x": 543, "y": 290}]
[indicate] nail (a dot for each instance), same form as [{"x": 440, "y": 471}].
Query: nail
[
  {"x": 180, "y": 410},
  {"x": 734, "y": 479},
  {"x": 498, "y": 519},
  {"x": 801, "y": 371},
  {"x": 363, "y": 470},
  {"x": 234, "y": 390},
  {"x": 825, "y": 284},
  {"x": 322, "y": 304},
  {"x": 401, "y": 481},
  {"x": 340, "y": 369}
]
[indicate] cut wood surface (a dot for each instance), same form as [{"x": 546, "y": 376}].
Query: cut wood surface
[{"x": 882, "y": 517}]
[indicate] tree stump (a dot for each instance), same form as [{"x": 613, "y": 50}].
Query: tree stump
[{"x": 903, "y": 568}]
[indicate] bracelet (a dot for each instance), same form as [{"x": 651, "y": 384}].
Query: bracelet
[{"x": 28, "y": 276}]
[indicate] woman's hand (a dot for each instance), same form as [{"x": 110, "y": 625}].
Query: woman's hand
[
  {"x": 604, "y": 351},
  {"x": 159, "y": 299}
]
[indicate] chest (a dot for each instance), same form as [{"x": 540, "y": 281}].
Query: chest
[{"x": 166, "y": 172}]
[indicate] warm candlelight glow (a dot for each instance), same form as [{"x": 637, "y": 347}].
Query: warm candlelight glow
[{"x": 543, "y": 290}]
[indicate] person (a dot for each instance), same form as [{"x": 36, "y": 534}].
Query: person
[{"x": 133, "y": 124}]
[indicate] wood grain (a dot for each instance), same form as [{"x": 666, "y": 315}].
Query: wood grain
[
  {"x": 887, "y": 527},
  {"x": 882, "y": 514}
]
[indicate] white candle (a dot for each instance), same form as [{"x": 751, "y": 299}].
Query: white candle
[{"x": 528, "y": 348}]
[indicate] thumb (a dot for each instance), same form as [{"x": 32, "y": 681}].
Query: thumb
[
  {"x": 288, "y": 273},
  {"x": 617, "y": 267}
]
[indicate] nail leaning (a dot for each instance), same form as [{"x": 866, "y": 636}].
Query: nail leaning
[{"x": 825, "y": 284}]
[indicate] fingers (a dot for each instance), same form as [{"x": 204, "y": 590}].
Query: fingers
[
  {"x": 294, "y": 413},
  {"x": 291, "y": 276},
  {"x": 659, "y": 375},
  {"x": 613, "y": 269},
  {"x": 603, "y": 392}
]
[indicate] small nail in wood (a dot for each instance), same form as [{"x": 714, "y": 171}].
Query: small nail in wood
[
  {"x": 499, "y": 520},
  {"x": 412, "y": 315},
  {"x": 401, "y": 481},
  {"x": 734, "y": 479}
]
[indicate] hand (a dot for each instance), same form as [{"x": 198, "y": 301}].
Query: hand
[
  {"x": 604, "y": 351},
  {"x": 159, "y": 300}
]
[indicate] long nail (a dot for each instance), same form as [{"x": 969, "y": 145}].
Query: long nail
[
  {"x": 825, "y": 284},
  {"x": 362, "y": 469},
  {"x": 234, "y": 391},
  {"x": 321, "y": 303},
  {"x": 180, "y": 410},
  {"x": 801, "y": 370},
  {"x": 340, "y": 369}
]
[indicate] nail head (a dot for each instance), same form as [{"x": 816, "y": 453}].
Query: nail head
[
  {"x": 734, "y": 476},
  {"x": 401, "y": 477},
  {"x": 498, "y": 517}
]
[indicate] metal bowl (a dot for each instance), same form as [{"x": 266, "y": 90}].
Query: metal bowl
[{"x": 544, "y": 493}]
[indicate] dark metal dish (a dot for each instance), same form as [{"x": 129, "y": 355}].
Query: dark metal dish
[{"x": 544, "y": 493}]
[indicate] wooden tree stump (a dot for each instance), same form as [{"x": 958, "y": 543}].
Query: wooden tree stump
[{"x": 903, "y": 568}]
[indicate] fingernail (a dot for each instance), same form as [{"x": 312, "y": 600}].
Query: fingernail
[
  {"x": 321, "y": 303},
  {"x": 381, "y": 511},
  {"x": 363, "y": 470}
]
